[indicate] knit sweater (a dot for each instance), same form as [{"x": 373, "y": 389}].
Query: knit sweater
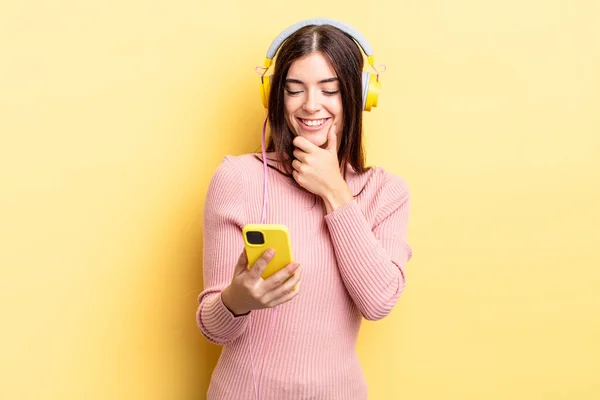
[{"x": 353, "y": 262}]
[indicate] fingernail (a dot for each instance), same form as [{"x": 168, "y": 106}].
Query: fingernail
[{"x": 270, "y": 253}]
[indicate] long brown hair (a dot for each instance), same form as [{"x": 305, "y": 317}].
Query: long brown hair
[{"x": 343, "y": 54}]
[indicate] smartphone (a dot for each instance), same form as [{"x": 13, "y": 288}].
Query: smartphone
[{"x": 258, "y": 238}]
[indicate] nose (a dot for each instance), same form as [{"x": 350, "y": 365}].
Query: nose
[{"x": 312, "y": 103}]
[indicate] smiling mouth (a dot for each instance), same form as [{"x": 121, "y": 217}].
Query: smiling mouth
[{"x": 313, "y": 123}]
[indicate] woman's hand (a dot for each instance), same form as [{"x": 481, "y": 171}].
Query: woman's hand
[
  {"x": 249, "y": 291},
  {"x": 317, "y": 170}
]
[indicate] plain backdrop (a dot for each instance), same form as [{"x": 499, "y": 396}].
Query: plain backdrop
[{"x": 115, "y": 114}]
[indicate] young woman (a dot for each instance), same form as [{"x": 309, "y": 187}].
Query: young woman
[{"x": 348, "y": 229}]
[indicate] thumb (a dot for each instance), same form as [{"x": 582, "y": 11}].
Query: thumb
[
  {"x": 332, "y": 139},
  {"x": 242, "y": 264}
]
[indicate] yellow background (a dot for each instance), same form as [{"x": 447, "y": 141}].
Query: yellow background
[{"x": 114, "y": 114}]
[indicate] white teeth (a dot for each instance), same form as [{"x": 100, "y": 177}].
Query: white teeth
[{"x": 313, "y": 122}]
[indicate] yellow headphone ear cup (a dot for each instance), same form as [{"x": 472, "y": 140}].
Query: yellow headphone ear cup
[
  {"x": 373, "y": 92},
  {"x": 265, "y": 88}
]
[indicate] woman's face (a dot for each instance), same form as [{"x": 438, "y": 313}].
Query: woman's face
[{"x": 312, "y": 99}]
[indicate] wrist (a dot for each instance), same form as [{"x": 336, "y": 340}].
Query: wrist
[
  {"x": 229, "y": 303},
  {"x": 337, "y": 197}
]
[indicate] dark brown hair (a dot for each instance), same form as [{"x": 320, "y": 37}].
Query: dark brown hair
[{"x": 346, "y": 59}]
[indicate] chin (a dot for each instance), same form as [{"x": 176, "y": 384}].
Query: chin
[
  {"x": 319, "y": 139},
  {"x": 316, "y": 137}
]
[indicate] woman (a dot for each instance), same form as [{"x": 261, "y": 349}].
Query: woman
[{"x": 348, "y": 228}]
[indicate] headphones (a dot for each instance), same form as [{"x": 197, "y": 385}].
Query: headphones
[{"x": 370, "y": 82}]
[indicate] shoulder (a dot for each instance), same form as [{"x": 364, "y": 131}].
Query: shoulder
[
  {"x": 225, "y": 195},
  {"x": 239, "y": 162},
  {"x": 231, "y": 173},
  {"x": 384, "y": 193},
  {"x": 235, "y": 167},
  {"x": 380, "y": 183},
  {"x": 392, "y": 191},
  {"x": 387, "y": 179}
]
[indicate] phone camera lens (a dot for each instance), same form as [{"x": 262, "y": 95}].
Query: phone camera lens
[{"x": 255, "y": 237}]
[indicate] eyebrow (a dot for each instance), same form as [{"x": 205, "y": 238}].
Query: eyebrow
[{"x": 298, "y": 81}]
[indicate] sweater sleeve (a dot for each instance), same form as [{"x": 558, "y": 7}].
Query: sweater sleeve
[
  {"x": 372, "y": 259},
  {"x": 224, "y": 215}
]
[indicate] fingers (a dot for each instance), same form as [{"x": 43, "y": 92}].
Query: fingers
[
  {"x": 304, "y": 144},
  {"x": 277, "y": 289},
  {"x": 285, "y": 298},
  {"x": 279, "y": 277},
  {"x": 261, "y": 264},
  {"x": 284, "y": 292},
  {"x": 242, "y": 264},
  {"x": 301, "y": 156},
  {"x": 332, "y": 139},
  {"x": 297, "y": 165}
]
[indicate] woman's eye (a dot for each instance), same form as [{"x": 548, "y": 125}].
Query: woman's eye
[{"x": 325, "y": 92}]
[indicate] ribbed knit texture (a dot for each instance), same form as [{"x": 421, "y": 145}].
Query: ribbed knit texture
[{"x": 353, "y": 263}]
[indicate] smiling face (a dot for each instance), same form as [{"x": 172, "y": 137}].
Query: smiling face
[{"x": 312, "y": 99}]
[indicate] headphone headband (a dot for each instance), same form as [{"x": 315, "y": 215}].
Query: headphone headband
[{"x": 355, "y": 34}]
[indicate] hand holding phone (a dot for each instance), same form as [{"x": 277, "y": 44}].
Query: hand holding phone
[{"x": 270, "y": 280}]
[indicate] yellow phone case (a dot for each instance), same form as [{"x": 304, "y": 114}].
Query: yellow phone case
[{"x": 275, "y": 236}]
